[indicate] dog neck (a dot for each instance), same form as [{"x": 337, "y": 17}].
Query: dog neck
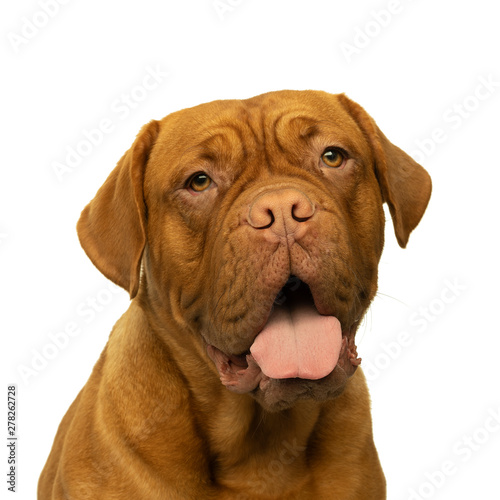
[{"x": 178, "y": 393}]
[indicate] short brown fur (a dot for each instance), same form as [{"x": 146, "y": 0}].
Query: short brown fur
[{"x": 154, "y": 421}]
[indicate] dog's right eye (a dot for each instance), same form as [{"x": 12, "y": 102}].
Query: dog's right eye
[
  {"x": 199, "y": 182},
  {"x": 333, "y": 158}
]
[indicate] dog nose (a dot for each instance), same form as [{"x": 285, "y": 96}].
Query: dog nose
[{"x": 283, "y": 212}]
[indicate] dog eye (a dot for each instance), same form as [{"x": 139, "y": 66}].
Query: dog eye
[
  {"x": 333, "y": 158},
  {"x": 199, "y": 182}
]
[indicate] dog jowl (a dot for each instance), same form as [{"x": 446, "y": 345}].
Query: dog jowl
[{"x": 248, "y": 234}]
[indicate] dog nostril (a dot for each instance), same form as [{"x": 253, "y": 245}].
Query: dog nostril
[
  {"x": 302, "y": 213},
  {"x": 261, "y": 218},
  {"x": 287, "y": 206},
  {"x": 299, "y": 219},
  {"x": 271, "y": 219}
]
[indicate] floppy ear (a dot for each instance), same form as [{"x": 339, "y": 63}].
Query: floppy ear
[
  {"x": 112, "y": 227},
  {"x": 405, "y": 185}
]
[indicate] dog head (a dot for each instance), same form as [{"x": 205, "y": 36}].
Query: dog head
[{"x": 258, "y": 225}]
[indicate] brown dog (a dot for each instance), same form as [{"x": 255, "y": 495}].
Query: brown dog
[{"x": 248, "y": 234}]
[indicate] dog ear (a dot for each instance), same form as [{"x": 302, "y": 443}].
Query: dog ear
[
  {"x": 405, "y": 185},
  {"x": 112, "y": 227}
]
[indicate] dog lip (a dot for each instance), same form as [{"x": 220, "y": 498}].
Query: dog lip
[
  {"x": 239, "y": 360},
  {"x": 293, "y": 290}
]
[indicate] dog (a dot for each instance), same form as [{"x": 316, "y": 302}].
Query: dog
[{"x": 248, "y": 234}]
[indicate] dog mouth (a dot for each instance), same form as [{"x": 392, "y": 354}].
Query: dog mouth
[{"x": 299, "y": 353}]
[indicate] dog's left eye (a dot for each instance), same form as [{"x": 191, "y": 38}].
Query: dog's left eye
[
  {"x": 333, "y": 158},
  {"x": 199, "y": 182}
]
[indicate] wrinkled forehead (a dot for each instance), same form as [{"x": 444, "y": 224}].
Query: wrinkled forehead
[{"x": 279, "y": 122}]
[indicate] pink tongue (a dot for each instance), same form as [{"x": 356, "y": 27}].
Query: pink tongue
[{"x": 298, "y": 343}]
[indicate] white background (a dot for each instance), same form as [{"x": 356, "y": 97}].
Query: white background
[{"x": 434, "y": 397}]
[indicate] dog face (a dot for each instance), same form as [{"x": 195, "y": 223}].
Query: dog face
[{"x": 259, "y": 227}]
